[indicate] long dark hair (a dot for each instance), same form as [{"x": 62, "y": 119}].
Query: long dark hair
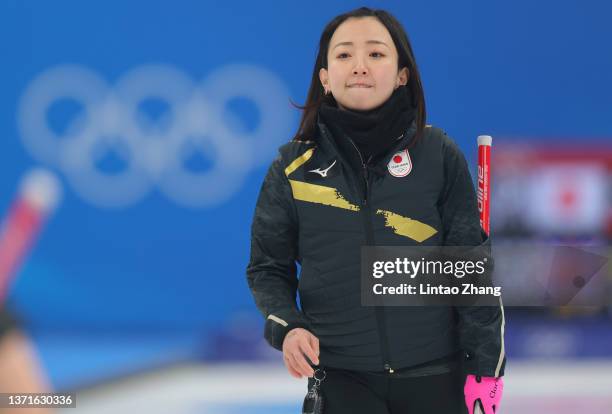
[{"x": 316, "y": 95}]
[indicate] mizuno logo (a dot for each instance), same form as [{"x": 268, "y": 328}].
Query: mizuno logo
[{"x": 321, "y": 172}]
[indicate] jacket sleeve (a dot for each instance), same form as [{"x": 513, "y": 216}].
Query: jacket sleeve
[
  {"x": 271, "y": 272},
  {"x": 480, "y": 328}
]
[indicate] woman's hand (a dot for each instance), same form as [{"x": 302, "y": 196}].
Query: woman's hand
[
  {"x": 299, "y": 343},
  {"x": 487, "y": 390}
]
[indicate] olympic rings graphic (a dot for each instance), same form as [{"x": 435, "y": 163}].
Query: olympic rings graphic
[{"x": 154, "y": 154}]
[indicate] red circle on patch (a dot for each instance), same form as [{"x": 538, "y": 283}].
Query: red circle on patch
[{"x": 397, "y": 159}]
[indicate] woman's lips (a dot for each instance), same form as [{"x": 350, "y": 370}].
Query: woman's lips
[{"x": 359, "y": 86}]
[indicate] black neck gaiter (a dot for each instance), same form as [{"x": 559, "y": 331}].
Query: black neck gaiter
[{"x": 374, "y": 131}]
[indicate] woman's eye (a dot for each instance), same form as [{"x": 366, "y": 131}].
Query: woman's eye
[{"x": 373, "y": 54}]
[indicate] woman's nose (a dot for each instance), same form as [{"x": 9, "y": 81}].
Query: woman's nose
[{"x": 360, "y": 67}]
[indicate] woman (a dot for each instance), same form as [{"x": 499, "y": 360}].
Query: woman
[{"x": 363, "y": 155}]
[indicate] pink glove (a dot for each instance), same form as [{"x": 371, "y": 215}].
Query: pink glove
[{"x": 486, "y": 389}]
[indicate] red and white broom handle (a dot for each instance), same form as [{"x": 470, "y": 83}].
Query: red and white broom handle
[
  {"x": 484, "y": 181},
  {"x": 483, "y": 195}
]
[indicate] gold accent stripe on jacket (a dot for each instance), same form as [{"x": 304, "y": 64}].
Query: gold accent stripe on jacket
[
  {"x": 319, "y": 194},
  {"x": 299, "y": 161},
  {"x": 407, "y": 227}
]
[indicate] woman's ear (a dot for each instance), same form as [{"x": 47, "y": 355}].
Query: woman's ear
[
  {"x": 324, "y": 78},
  {"x": 402, "y": 77}
]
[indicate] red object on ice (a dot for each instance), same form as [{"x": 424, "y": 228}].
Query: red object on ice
[
  {"x": 39, "y": 194},
  {"x": 16, "y": 236}
]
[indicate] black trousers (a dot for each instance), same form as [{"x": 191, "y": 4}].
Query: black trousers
[{"x": 352, "y": 392}]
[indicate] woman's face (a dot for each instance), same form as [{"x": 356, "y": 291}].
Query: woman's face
[{"x": 362, "y": 70}]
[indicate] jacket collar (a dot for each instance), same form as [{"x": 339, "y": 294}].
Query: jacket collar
[{"x": 353, "y": 160}]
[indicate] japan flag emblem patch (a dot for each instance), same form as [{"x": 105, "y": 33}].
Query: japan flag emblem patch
[{"x": 400, "y": 164}]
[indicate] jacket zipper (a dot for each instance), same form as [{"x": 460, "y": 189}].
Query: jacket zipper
[{"x": 369, "y": 233}]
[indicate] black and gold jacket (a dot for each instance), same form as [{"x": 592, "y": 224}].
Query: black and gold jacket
[{"x": 317, "y": 211}]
